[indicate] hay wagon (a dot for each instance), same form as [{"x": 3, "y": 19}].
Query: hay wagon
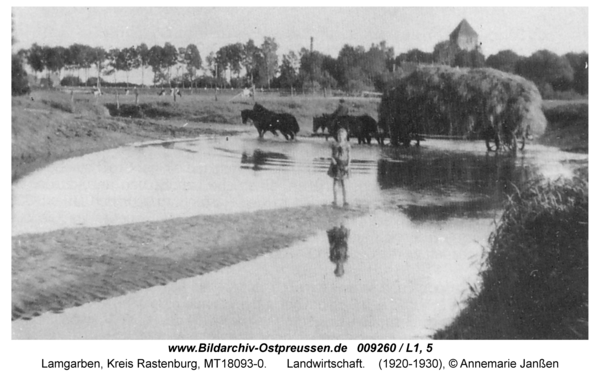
[
  {"x": 511, "y": 140},
  {"x": 500, "y": 108}
]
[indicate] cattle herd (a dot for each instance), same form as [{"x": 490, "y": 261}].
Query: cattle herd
[{"x": 364, "y": 127}]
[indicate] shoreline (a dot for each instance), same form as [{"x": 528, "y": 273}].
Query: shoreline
[{"x": 69, "y": 267}]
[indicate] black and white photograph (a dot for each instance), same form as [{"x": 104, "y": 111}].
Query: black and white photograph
[{"x": 299, "y": 173}]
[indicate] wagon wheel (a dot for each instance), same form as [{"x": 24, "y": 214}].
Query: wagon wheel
[
  {"x": 492, "y": 144},
  {"x": 511, "y": 142},
  {"x": 522, "y": 143}
]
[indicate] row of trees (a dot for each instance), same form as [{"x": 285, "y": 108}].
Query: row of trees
[
  {"x": 354, "y": 69},
  {"x": 549, "y": 71},
  {"x": 79, "y": 57}
]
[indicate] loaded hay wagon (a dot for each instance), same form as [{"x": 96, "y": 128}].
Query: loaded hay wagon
[{"x": 439, "y": 101}]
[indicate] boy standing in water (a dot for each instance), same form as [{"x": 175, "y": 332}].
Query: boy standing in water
[{"x": 339, "y": 168}]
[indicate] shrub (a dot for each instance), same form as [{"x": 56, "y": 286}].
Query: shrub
[
  {"x": 71, "y": 81},
  {"x": 20, "y": 85},
  {"x": 534, "y": 284}
]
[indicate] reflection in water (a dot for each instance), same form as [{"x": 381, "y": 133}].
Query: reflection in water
[
  {"x": 462, "y": 184},
  {"x": 338, "y": 248},
  {"x": 259, "y": 159}
]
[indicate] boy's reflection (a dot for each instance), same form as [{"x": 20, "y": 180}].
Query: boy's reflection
[{"x": 338, "y": 248}]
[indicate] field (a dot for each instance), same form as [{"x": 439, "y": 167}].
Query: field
[{"x": 209, "y": 106}]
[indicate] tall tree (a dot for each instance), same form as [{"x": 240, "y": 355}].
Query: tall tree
[
  {"x": 579, "y": 63},
  {"x": 169, "y": 58},
  {"x": 114, "y": 63},
  {"x": 505, "y": 60},
  {"x": 235, "y": 55},
  {"x": 181, "y": 64},
  {"x": 251, "y": 59},
  {"x": 76, "y": 57},
  {"x": 98, "y": 57},
  {"x": 143, "y": 58},
  {"x": 270, "y": 59},
  {"x": 221, "y": 61},
  {"x": 290, "y": 65},
  {"x": 54, "y": 59},
  {"x": 193, "y": 61},
  {"x": 130, "y": 61},
  {"x": 211, "y": 65},
  {"x": 35, "y": 58},
  {"x": 19, "y": 82},
  {"x": 546, "y": 68},
  {"x": 351, "y": 62},
  {"x": 155, "y": 56}
]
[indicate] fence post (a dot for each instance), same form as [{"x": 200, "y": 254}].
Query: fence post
[
  {"x": 136, "y": 96},
  {"x": 117, "y": 97}
]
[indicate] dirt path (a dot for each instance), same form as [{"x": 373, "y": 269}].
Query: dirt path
[{"x": 70, "y": 267}]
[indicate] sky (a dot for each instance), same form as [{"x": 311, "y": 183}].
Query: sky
[{"x": 523, "y": 30}]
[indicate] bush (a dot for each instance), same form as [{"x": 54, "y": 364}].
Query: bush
[
  {"x": 534, "y": 284},
  {"x": 20, "y": 85},
  {"x": 71, "y": 81}
]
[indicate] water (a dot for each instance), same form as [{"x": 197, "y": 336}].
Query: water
[
  {"x": 401, "y": 280},
  {"x": 229, "y": 175},
  {"x": 407, "y": 264}
]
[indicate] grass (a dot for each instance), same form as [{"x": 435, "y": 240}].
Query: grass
[
  {"x": 201, "y": 105},
  {"x": 534, "y": 280},
  {"x": 568, "y": 125}
]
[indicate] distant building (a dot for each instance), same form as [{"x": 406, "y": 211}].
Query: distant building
[{"x": 465, "y": 37}]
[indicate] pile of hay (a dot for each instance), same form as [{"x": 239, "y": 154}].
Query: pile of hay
[{"x": 469, "y": 103}]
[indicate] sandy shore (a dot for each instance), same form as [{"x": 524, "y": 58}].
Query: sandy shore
[{"x": 56, "y": 270}]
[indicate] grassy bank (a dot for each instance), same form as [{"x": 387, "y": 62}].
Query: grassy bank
[
  {"x": 568, "y": 125},
  {"x": 534, "y": 281},
  {"x": 223, "y": 107},
  {"x": 52, "y": 127}
]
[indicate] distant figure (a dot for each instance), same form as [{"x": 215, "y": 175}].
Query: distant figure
[
  {"x": 339, "y": 169},
  {"x": 338, "y": 248},
  {"x": 341, "y": 111},
  {"x": 175, "y": 92},
  {"x": 162, "y": 92}
]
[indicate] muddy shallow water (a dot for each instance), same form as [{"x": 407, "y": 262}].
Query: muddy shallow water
[
  {"x": 405, "y": 268},
  {"x": 231, "y": 174}
]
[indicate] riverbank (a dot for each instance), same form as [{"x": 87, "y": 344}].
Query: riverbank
[
  {"x": 51, "y": 127},
  {"x": 66, "y": 268},
  {"x": 568, "y": 126},
  {"x": 534, "y": 280},
  {"x": 44, "y": 132}
]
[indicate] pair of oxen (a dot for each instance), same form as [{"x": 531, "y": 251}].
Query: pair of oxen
[
  {"x": 363, "y": 127},
  {"x": 265, "y": 120}
]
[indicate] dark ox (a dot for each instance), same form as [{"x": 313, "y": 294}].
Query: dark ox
[
  {"x": 265, "y": 120},
  {"x": 362, "y": 127}
]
